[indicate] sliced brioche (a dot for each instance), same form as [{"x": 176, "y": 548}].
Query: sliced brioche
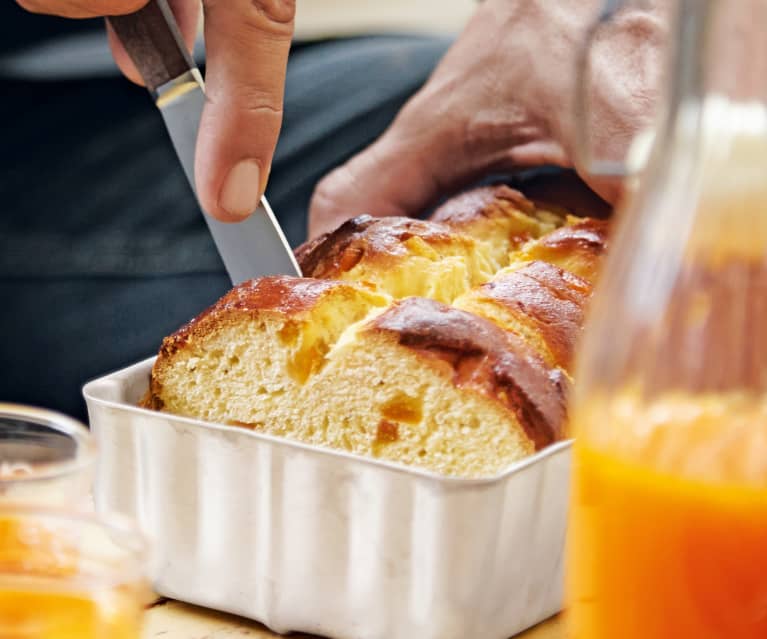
[
  {"x": 421, "y": 382},
  {"x": 400, "y": 256},
  {"x": 240, "y": 359},
  {"x": 499, "y": 216},
  {"x": 540, "y": 302},
  {"x": 577, "y": 247}
]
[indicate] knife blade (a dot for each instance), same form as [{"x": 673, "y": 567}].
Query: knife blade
[{"x": 251, "y": 248}]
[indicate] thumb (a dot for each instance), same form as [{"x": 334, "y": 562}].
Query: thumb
[{"x": 247, "y": 52}]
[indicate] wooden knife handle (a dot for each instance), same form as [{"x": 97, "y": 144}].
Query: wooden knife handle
[{"x": 154, "y": 43}]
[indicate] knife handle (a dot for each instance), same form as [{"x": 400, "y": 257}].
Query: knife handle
[{"x": 154, "y": 43}]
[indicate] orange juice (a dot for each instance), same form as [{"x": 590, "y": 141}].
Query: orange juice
[
  {"x": 64, "y": 579},
  {"x": 50, "y": 611},
  {"x": 668, "y": 536}
]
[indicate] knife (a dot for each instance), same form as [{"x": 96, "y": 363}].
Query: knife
[{"x": 253, "y": 247}]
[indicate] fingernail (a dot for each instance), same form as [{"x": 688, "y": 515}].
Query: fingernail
[{"x": 242, "y": 189}]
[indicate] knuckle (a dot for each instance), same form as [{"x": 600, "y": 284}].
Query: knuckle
[
  {"x": 340, "y": 180},
  {"x": 235, "y": 100},
  {"x": 324, "y": 203},
  {"x": 272, "y": 18},
  {"x": 258, "y": 102},
  {"x": 324, "y": 194},
  {"x": 276, "y": 11}
]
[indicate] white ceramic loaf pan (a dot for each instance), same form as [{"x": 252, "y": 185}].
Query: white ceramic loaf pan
[{"x": 321, "y": 541}]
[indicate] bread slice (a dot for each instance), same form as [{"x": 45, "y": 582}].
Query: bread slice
[
  {"x": 538, "y": 301},
  {"x": 419, "y": 382},
  {"x": 400, "y": 256},
  {"x": 578, "y": 247},
  {"x": 244, "y": 359},
  {"x": 499, "y": 216},
  {"x": 443, "y": 389}
]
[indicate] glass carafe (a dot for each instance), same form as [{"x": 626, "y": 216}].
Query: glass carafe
[{"x": 668, "y": 518}]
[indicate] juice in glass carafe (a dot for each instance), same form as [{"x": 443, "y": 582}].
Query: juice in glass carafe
[{"x": 668, "y": 518}]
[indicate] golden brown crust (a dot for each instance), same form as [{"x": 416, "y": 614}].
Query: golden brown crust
[
  {"x": 282, "y": 294},
  {"x": 552, "y": 299},
  {"x": 149, "y": 400},
  {"x": 287, "y": 297},
  {"x": 485, "y": 201},
  {"x": 578, "y": 247},
  {"x": 367, "y": 237},
  {"x": 305, "y": 249},
  {"x": 588, "y": 234},
  {"x": 498, "y": 215},
  {"x": 484, "y": 358}
]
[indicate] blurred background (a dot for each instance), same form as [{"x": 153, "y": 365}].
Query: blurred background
[
  {"x": 329, "y": 18},
  {"x": 315, "y": 19}
]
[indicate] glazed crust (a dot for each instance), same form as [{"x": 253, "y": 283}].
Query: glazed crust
[
  {"x": 485, "y": 358},
  {"x": 588, "y": 235},
  {"x": 578, "y": 247},
  {"x": 552, "y": 298},
  {"x": 482, "y": 202},
  {"x": 369, "y": 238},
  {"x": 279, "y": 295},
  {"x": 282, "y": 294}
]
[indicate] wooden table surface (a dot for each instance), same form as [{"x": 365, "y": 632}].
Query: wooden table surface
[{"x": 174, "y": 620}]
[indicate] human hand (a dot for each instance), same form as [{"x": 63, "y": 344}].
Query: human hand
[
  {"x": 247, "y": 43},
  {"x": 502, "y": 99}
]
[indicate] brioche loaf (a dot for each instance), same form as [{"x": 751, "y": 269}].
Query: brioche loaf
[{"x": 366, "y": 362}]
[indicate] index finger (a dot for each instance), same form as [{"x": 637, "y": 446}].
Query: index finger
[{"x": 248, "y": 42}]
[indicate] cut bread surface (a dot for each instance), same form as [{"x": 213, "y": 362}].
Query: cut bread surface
[
  {"x": 466, "y": 399},
  {"x": 260, "y": 342}
]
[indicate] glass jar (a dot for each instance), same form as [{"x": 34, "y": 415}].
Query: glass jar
[{"x": 668, "y": 519}]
